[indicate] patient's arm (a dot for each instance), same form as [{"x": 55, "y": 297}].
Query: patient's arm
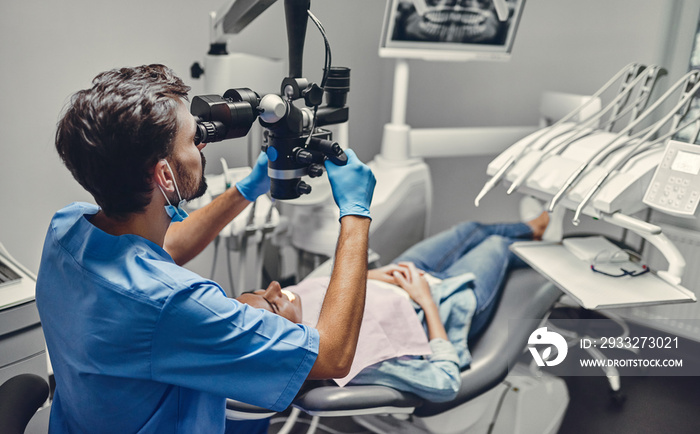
[
  {"x": 435, "y": 378},
  {"x": 341, "y": 313}
]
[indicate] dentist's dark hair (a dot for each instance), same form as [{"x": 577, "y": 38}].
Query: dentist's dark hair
[{"x": 112, "y": 134}]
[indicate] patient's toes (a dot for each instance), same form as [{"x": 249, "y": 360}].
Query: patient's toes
[{"x": 539, "y": 225}]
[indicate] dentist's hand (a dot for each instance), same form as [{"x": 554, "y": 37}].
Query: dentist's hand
[
  {"x": 257, "y": 182},
  {"x": 352, "y": 185}
]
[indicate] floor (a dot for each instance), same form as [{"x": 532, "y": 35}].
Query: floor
[{"x": 652, "y": 405}]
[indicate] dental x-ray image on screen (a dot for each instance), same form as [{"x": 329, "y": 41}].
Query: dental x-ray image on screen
[{"x": 450, "y": 29}]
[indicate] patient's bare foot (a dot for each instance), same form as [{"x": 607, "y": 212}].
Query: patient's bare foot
[{"x": 539, "y": 225}]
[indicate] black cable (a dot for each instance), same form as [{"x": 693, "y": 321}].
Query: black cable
[
  {"x": 326, "y": 64},
  {"x": 498, "y": 407}
]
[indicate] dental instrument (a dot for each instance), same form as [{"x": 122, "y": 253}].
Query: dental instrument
[
  {"x": 649, "y": 77},
  {"x": 614, "y": 145},
  {"x": 683, "y": 104},
  {"x": 629, "y": 72}
]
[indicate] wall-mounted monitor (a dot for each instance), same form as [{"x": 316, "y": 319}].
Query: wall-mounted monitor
[{"x": 450, "y": 29}]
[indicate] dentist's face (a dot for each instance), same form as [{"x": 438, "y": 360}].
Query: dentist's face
[
  {"x": 187, "y": 158},
  {"x": 276, "y": 300}
]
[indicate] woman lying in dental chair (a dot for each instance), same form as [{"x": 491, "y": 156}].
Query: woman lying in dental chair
[{"x": 447, "y": 285}]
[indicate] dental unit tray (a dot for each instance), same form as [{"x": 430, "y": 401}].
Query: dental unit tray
[{"x": 593, "y": 290}]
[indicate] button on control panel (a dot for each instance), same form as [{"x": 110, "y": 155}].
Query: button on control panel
[{"x": 675, "y": 187}]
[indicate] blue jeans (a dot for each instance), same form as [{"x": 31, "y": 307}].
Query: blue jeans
[{"x": 480, "y": 249}]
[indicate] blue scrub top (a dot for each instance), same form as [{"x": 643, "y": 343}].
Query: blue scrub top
[{"x": 139, "y": 344}]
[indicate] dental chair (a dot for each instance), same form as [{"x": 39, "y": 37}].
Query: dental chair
[
  {"x": 494, "y": 382},
  {"x": 20, "y": 398}
]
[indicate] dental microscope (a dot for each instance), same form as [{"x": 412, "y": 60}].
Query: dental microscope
[{"x": 294, "y": 141}]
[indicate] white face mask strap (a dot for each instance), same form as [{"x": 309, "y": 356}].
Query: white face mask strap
[
  {"x": 174, "y": 182},
  {"x": 166, "y": 197}
]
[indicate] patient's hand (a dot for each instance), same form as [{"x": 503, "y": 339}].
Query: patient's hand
[
  {"x": 386, "y": 273},
  {"x": 415, "y": 284},
  {"x": 419, "y": 290}
]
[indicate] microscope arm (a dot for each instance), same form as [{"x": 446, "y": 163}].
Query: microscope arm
[{"x": 236, "y": 15}]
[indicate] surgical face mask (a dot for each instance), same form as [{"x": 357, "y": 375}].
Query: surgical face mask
[{"x": 176, "y": 214}]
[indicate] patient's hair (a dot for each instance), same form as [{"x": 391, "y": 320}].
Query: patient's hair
[{"x": 112, "y": 134}]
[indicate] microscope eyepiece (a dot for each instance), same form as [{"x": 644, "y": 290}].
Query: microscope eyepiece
[
  {"x": 209, "y": 132},
  {"x": 228, "y": 117},
  {"x": 337, "y": 86}
]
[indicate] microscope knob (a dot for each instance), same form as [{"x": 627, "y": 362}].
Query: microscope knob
[
  {"x": 303, "y": 188},
  {"x": 315, "y": 170},
  {"x": 196, "y": 70},
  {"x": 313, "y": 95},
  {"x": 273, "y": 108},
  {"x": 303, "y": 156}
]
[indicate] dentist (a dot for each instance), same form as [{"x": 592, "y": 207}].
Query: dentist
[{"x": 138, "y": 343}]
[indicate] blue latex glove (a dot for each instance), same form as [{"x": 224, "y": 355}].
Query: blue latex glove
[
  {"x": 257, "y": 182},
  {"x": 352, "y": 185}
]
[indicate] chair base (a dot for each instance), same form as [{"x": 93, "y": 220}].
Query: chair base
[{"x": 522, "y": 404}]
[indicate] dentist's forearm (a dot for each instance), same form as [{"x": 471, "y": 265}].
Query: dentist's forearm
[
  {"x": 343, "y": 307},
  {"x": 185, "y": 240}
]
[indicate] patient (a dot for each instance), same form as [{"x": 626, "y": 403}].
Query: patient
[{"x": 422, "y": 309}]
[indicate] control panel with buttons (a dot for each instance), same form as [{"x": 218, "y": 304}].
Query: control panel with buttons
[{"x": 675, "y": 187}]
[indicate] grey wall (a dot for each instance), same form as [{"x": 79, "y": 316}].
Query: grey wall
[{"x": 50, "y": 49}]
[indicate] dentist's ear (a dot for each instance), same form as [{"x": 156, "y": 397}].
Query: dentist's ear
[{"x": 162, "y": 176}]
